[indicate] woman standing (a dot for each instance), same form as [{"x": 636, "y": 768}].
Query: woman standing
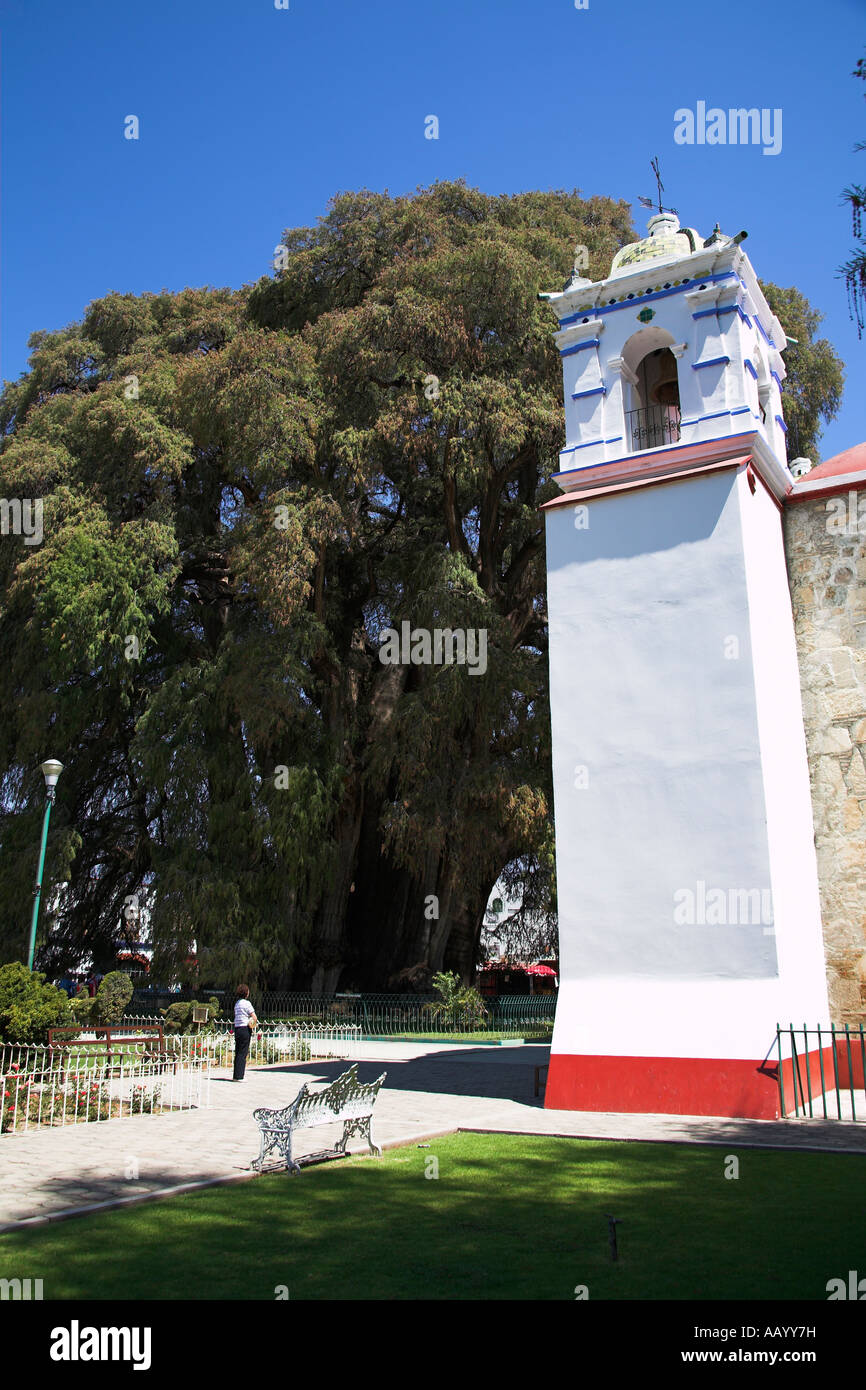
[{"x": 245, "y": 1022}]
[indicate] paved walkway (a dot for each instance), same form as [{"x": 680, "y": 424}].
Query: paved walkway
[{"x": 431, "y": 1089}]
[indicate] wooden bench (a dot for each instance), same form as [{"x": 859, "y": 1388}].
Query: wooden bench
[
  {"x": 346, "y": 1099},
  {"x": 147, "y": 1038}
]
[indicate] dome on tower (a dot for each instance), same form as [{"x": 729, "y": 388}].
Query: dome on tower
[{"x": 667, "y": 241}]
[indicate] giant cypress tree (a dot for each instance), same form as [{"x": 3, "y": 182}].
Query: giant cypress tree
[
  {"x": 240, "y": 491},
  {"x": 440, "y": 427},
  {"x": 443, "y": 387},
  {"x": 248, "y": 487}
]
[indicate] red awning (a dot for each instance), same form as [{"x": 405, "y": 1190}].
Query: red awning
[{"x": 540, "y": 970}]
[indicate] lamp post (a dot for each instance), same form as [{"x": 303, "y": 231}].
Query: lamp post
[{"x": 51, "y": 770}]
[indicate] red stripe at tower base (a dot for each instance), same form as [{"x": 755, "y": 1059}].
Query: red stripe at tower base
[{"x": 664, "y": 1086}]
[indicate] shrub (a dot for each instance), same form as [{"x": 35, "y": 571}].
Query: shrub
[
  {"x": 177, "y": 1018},
  {"x": 82, "y": 1007},
  {"x": 28, "y": 1006},
  {"x": 145, "y": 1100},
  {"x": 90, "y": 1100},
  {"x": 112, "y": 997},
  {"x": 458, "y": 1005},
  {"x": 273, "y": 1051}
]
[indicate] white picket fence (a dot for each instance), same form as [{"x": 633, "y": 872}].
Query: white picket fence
[
  {"x": 41, "y": 1085},
  {"x": 271, "y": 1042},
  {"x": 82, "y": 1090}
]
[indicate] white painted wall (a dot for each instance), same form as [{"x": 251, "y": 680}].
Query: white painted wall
[
  {"x": 787, "y": 792},
  {"x": 685, "y": 760}
]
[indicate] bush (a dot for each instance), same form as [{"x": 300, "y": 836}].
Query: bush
[
  {"x": 90, "y": 1100},
  {"x": 112, "y": 997},
  {"x": 29, "y": 1007},
  {"x": 458, "y": 1005},
  {"x": 145, "y": 1100},
  {"x": 273, "y": 1052},
  {"x": 177, "y": 1018},
  {"x": 82, "y": 1007}
]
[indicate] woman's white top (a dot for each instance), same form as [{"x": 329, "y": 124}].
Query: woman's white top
[{"x": 243, "y": 1013}]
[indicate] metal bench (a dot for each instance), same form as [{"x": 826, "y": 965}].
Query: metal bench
[{"x": 346, "y": 1099}]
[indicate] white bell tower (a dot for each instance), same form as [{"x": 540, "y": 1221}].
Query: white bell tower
[{"x": 687, "y": 881}]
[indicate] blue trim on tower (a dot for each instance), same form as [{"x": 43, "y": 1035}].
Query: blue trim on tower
[
  {"x": 573, "y": 448},
  {"x": 717, "y": 312},
  {"x": 594, "y": 391},
  {"x": 763, "y": 332},
  {"x": 579, "y": 347},
  {"x": 727, "y": 439},
  {"x": 749, "y": 368},
  {"x": 710, "y": 362},
  {"x": 740, "y": 410},
  {"x": 781, "y": 423},
  {"x": 777, "y": 379},
  {"x": 594, "y": 310}
]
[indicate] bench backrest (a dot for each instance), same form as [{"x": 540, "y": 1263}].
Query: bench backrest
[{"x": 345, "y": 1096}]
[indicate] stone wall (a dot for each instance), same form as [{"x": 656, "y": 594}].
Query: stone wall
[{"x": 826, "y": 550}]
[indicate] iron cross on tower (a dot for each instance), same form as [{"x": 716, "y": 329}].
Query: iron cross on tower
[{"x": 648, "y": 202}]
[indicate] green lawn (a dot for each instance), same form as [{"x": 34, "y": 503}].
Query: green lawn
[{"x": 508, "y": 1218}]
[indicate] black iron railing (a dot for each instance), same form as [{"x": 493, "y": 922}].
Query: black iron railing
[
  {"x": 387, "y": 1015},
  {"x": 823, "y": 1070},
  {"x": 653, "y": 427}
]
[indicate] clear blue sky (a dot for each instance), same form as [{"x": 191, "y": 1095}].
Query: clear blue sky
[{"x": 252, "y": 118}]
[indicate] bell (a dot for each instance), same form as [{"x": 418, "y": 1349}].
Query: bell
[{"x": 666, "y": 390}]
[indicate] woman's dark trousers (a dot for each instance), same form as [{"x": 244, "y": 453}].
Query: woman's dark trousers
[{"x": 243, "y": 1038}]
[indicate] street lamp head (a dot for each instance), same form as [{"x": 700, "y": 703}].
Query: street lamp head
[{"x": 51, "y": 770}]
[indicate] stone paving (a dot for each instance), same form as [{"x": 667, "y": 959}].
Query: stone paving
[{"x": 430, "y": 1089}]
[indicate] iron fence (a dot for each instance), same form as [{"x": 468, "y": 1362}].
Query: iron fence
[
  {"x": 824, "y": 1075},
  {"x": 393, "y": 1015},
  {"x": 390, "y": 1015}
]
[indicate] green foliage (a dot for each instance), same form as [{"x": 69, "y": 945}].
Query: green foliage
[
  {"x": 812, "y": 389},
  {"x": 178, "y": 1018},
  {"x": 112, "y": 997},
  {"x": 29, "y": 1006},
  {"x": 458, "y": 1004},
  {"x": 145, "y": 1100},
  {"x": 83, "y": 1008},
  {"x": 88, "y": 1100},
  {"x": 270, "y": 1053}
]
